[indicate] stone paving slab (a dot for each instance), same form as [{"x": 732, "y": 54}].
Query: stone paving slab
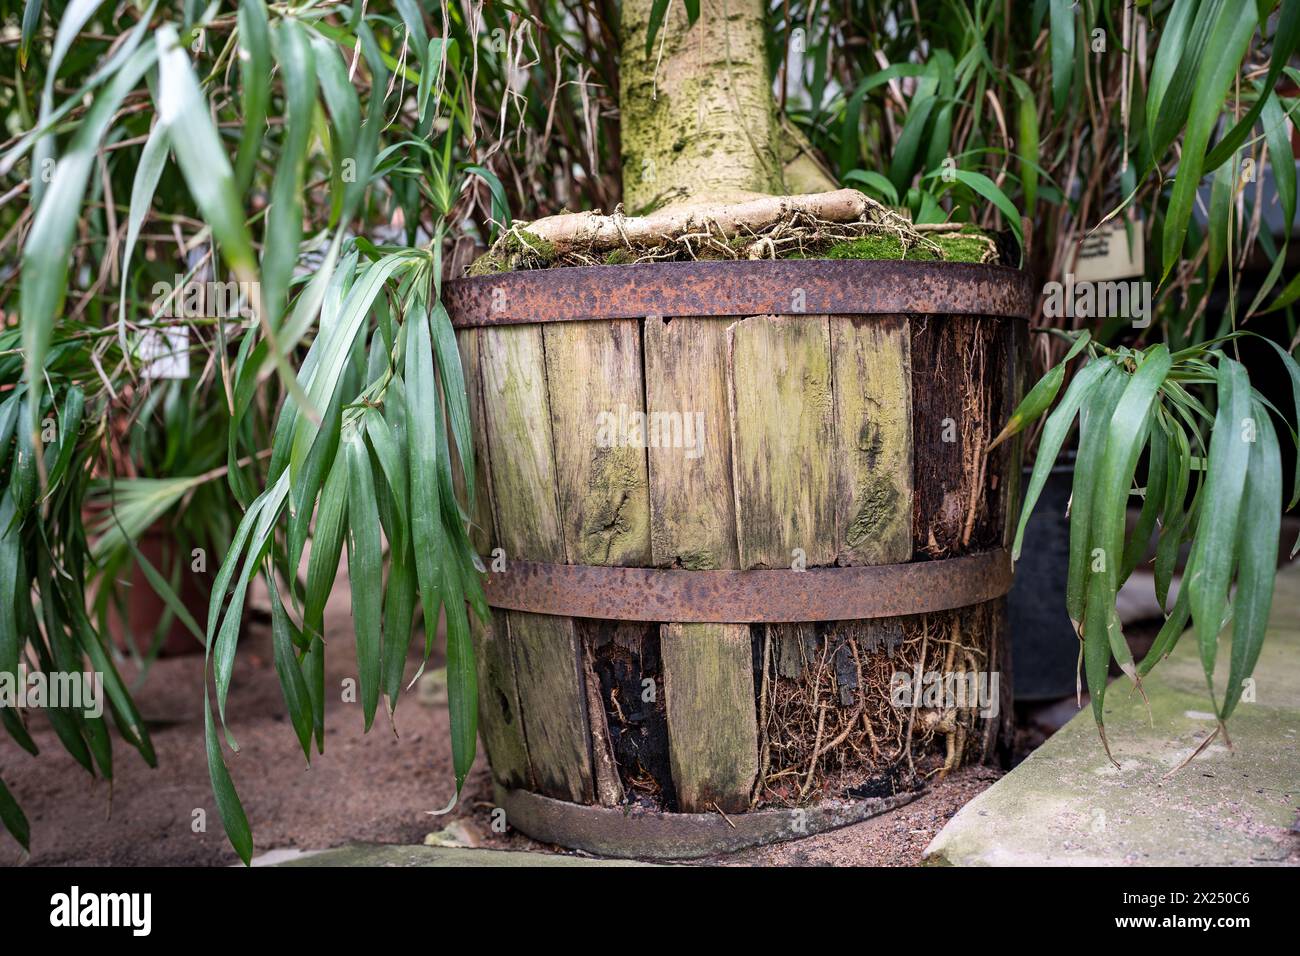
[
  {"x": 391, "y": 855},
  {"x": 1067, "y": 805}
]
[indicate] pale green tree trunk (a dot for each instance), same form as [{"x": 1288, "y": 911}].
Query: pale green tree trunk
[{"x": 698, "y": 116}]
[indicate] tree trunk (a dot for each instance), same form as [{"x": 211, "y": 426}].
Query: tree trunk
[{"x": 698, "y": 115}]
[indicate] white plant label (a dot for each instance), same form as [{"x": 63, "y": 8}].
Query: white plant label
[
  {"x": 166, "y": 353},
  {"x": 1108, "y": 253}
]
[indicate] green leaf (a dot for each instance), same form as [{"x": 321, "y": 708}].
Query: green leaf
[
  {"x": 1027, "y": 148},
  {"x": 1126, "y": 434},
  {"x": 875, "y": 181},
  {"x": 31, "y": 21},
  {"x": 452, "y": 377},
  {"x": 183, "y": 112},
  {"x": 1284, "y": 43},
  {"x": 1041, "y": 396},
  {"x": 1261, "y": 521},
  {"x": 399, "y": 624},
  {"x": 1178, "y": 476},
  {"x": 500, "y": 205},
  {"x": 990, "y": 191},
  {"x": 849, "y": 131},
  {"x": 1055, "y": 431},
  {"x": 165, "y": 591},
  {"x": 1230, "y": 36},
  {"x": 903, "y": 162},
  {"x": 657, "y": 11},
  {"x": 10, "y": 542},
  {"x": 414, "y": 21},
  {"x": 462, "y": 681},
  {"x": 1168, "y": 54},
  {"x": 16, "y": 729},
  {"x": 297, "y": 699},
  {"x": 345, "y": 108},
  {"x": 327, "y": 543},
  {"x": 426, "y": 523},
  {"x": 255, "y": 80},
  {"x": 365, "y": 570},
  {"x": 1293, "y": 372},
  {"x": 1062, "y": 39},
  {"x": 255, "y": 529},
  {"x": 229, "y": 808},
  {"x": 284, "y": 217},
  {"x": 152, "y": 160},
  {"x": 1281, "y": 156},
  {"x": 1094, "y": 428},
  {"x": 1173, "y": 628},
  {"x": 44, "y": 281},
  {"x": 1214, "y": 551}
]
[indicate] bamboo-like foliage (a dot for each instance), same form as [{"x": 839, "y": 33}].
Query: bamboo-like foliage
[
  {"x": 1213, "y": 479},
  {"x": 1068, "y": 113},
  {"x": 260, "y": 135},
  {"x": 340, "y": 158}
]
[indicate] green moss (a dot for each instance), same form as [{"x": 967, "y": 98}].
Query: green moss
[
  {"x": 963, "y": 246},
  {"x": 956, "y": 247},
  {"x": 518, "y": 249}
]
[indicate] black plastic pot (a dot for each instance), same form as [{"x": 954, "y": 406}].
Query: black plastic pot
[{"x": 1044, "y": 646}]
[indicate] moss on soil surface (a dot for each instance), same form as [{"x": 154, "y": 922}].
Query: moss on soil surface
[
  {"x": 521, "y": 250},
  {"x": 955, "y": 247}
]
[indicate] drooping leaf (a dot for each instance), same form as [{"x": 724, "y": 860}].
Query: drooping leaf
[
  {"x": 1214, "y": 552},
  {"x": 1261, "y": 520}
]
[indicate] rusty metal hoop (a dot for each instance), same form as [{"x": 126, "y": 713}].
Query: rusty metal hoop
[
  {"x": 646, "y": 834},
  {"x": 749, "y": 597},
  {"x": 722, "y": 288}
]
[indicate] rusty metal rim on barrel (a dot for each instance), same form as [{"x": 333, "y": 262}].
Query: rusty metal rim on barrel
[
  {"x": 723, "y": 288},
  {"x": 754, "y": 597}
]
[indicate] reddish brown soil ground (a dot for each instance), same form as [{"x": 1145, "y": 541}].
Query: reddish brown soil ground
[{"x": 372, "y": 788}]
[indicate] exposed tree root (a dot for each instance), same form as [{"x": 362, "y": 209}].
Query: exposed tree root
[{"x": 764, "y": 227}]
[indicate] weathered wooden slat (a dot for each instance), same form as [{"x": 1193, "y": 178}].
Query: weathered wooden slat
[
  {"x": 545, "y": 649},
  {"x": 871, "y": 359},
  {"x": 780, "y": 391},
  {"x": 782, "y": 413},
  {"x": 609, "y": 788},
  {"x": 713, "y": 727},
  {"x": 594, "y": 371},
  {"x": 482, "y": 528},
  {"x": 549, "y": 677},
  {"x": 708, "y": 669},
  {"x": 500, "y": 717},
  {"x": 518, "y": 416},
  {"x": 692, "y": 507}
]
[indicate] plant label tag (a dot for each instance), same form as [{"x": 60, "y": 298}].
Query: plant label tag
[
  {"x": 1108, "y": 253},
  {"x": 166, "y": 353}
]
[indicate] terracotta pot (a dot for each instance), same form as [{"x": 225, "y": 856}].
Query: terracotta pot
[{"x": 144, "y": 608}]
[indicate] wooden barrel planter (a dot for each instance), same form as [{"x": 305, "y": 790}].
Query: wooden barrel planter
[{"x": 724, "y": 504}]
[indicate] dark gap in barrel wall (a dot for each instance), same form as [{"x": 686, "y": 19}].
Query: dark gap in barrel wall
[
  {"x": 960, "y": 375},
  {"x": 625, "y": 655}
]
